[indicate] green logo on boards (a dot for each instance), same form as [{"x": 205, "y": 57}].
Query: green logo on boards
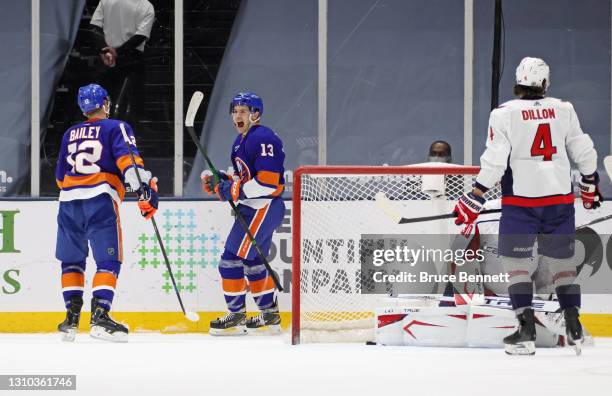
[
  {"x": 7, "y": 229},
  {"x": 10, "y": 284},
  {"x": 186, "y": 250}
]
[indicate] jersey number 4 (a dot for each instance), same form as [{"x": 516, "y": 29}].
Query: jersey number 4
[
  {"x": 82, "y": 160},
  {"x": 542, "y": 143}
]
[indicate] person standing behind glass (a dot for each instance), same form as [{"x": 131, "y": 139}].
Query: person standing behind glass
[
  {"x": 122, "y": 27},
  {"x": 440, "y": 151}
]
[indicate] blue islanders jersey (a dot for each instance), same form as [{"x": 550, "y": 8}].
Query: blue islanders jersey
[
  {"x": 258, "y": 159},
  {"x": 93, "y": 160}
]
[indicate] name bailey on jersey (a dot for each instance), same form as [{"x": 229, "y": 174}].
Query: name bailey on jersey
[{"x": 85, "y": 132}]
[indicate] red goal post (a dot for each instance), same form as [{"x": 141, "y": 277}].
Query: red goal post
[{"x": 333, "y": 205}]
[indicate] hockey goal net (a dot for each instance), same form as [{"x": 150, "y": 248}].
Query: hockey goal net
[{"x": 333, "y": 207}]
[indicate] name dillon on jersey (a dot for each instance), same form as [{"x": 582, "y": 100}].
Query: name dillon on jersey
[{"x": 538, "y": 114}]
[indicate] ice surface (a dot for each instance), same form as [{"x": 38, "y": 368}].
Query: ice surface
[{"x": 193, "y": 364}]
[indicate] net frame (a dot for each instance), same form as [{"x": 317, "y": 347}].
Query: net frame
[{"x": 424, "y": 169}]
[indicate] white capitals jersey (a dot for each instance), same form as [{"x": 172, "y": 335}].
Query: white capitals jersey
[{"x": 529, "y": 144}]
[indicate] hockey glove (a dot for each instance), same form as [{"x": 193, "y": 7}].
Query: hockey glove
[
  {"x": 589, "y": 191},
  {"x": 147, "y": 199},
  {"x": 208, "y": 181},
  {"x": 229, "y": 190},
  {"x": 468, "y": 208}
]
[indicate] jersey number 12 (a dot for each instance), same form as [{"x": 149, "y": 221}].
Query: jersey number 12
[
  {"x": 542, "y": 143},
  {"x": 83, "y": 161}
]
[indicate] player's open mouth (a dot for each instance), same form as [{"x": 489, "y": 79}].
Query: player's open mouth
[{"x": 240, "y": 124}]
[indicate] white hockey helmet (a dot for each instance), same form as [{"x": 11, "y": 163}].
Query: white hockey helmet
[{"x": 532, "y": 72}]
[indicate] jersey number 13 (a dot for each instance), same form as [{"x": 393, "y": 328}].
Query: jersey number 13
[{"x": 267, "y": 150}]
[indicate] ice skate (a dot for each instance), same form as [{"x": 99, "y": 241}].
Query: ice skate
[
  {"x": 69, "y": 327},
  {"x": 105, "y": 328},
  {"x": 267, "y": 322},
  {"x": 522, "y": 341},
  {"x": 232, "y": 324},
  {"x": 573, "y": 329}
]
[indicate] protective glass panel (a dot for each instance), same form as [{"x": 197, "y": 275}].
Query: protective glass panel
[
  {"x": 15, "y": 17},
  {"x": 272, "y": 51},
  {"x": 395, "y": 80},
  {"x": 139, "y": 80},
  {"x": 573, "y": 38}
]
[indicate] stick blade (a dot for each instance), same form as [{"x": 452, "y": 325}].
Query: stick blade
[
  {"x": 192, "y": 316},
  {"x": 386, "y": 205},
  {"x": 608, "y": 165},
  {"x": 194, "y": 105}
]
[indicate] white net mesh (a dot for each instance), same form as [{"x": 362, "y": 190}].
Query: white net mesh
[{"x": 336, "y": 210}]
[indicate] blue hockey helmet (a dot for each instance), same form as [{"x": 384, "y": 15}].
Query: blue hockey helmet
[
  {"x": 91, "y": 97},
  {"x": 249, "y": 99}
]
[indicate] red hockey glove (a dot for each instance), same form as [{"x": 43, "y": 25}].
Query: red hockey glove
[
  {"x": 147, "y": 199},
  {"x": 467, "y": 209},
  {"x": 589, "y": 191}
]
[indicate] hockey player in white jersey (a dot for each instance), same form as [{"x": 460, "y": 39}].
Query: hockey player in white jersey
[{"x": 530, "y": 141}]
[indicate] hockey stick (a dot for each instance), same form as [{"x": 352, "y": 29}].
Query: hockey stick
[
  {"x": 192, "y": 316},
  {"x": 599, "y": 220},
  {"x": 194, "y": 105},
  {"x": 385, "y": 204}
]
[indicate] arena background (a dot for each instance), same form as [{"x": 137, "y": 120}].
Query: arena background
[{"x": 333, "y": 92}]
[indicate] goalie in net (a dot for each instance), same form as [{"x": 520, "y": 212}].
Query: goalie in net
[
  {"x": 333, "y": 208},
  {"x": 472, "y": 313}
]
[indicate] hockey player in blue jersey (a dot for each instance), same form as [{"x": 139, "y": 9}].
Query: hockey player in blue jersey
[
  {"x": 257, "y": 157},
  {"x": 92, "y": 167}
]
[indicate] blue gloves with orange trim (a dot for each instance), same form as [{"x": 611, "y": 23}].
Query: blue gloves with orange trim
[
  {"x": 148, "y": 200},
  {"x": 227, "y": 189},
  {"x": 230, "y": 190},
  {"x": 208, "y": 181}
]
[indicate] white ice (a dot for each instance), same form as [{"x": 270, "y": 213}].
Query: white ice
[{"x": 192, "y": 364}]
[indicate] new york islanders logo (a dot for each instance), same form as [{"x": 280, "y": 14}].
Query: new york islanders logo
[{"x": 243, "y": 170}]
